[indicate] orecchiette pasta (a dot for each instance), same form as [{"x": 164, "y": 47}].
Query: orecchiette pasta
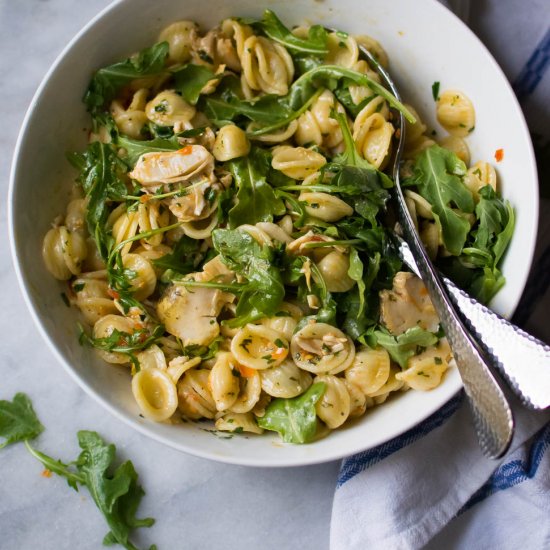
[
  {"x": 296, "y": 162},
  {"x": 285, "y": 380},
  {"x": 335, "y": 405},
  {"x": 235, "y": 422},
  {"x": 63, "y": 252},
  {"x": 322, "y": 348},
  {"x": 155, "y": 394},
  {"x": 92, "y": 298},
  {"x": 334, "y": 268},
  {"x": 370, "y": 370},
  {"x": 266, "y": 65},
  {"x": 227, "y": 240},
  {"x": 456, "y": 113},
  {"x": 342, "y": 50},
  {"x": 259, "y": 347},
  {"x": 180, "y": 36},
  {"x": 231, "y": 142},
  {"x": 325, "y": 207}
]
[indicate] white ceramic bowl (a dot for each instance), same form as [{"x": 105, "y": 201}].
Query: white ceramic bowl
[{"x": 425, "y": 42}]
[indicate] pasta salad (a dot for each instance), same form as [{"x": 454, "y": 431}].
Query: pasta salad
[{"x": 230, "y": 237}]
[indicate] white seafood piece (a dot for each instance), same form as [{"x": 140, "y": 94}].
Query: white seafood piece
[
  {"x": 407, "y": 305},
  {"x": 171, "y": 167},
  {"x": 192, "y": 206},
  {"x": 191, "y": 315}
]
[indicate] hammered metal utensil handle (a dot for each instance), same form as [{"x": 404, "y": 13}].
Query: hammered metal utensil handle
[
  {"x": 493, "y": 417},
  {"x": 522, "y": 359}
]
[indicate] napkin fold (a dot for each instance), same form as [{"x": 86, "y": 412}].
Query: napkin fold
[
  {"x": 431, "y": 487},
  {"x": 401, "y": 494}
]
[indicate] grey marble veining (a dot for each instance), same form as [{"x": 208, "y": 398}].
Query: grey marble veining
[{"x": 198, "y": 504}]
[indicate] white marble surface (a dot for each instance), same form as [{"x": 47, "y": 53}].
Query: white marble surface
[{"x": 197, "y": 503}]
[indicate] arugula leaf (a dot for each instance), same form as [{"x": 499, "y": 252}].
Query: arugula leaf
[
  {"x": 101, "y": 178},
  {"x": 135, "y": 148},
  {"x": 124, "y": 342},
  {"x": 18, "y": 421},
  {"x": 117, "y": 493},
  {"x": 226, "y": 107},
  {"x": 401, "y": 348},
  {"x": 316, "y": 43},
  {"x": 262, "y": 295},
  {"x": 496, "y": 224},
  {"x": 191, "y": 79},
  {"x": 356, "y": 176},
  {"x": 183, "y": 258},
  {"x": 107, "y": 81},
  {"x": 437, "y": 174},
  {"x": 256, "y": 200},
  {"x": 295, "y": 419},
  {"x": 355, "y": 272}
]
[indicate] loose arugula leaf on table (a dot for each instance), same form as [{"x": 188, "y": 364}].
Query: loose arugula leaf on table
[
  {"x": 264, "y": 291},
  {"x": 294, "y": 419},
  {"x": 107, "y": 81},
  {"x": 191, "y": 79},
  {"x": 101, "y": 178},
  {"x": 401, "y": 348},
  {"x": 315, "y": 43},
  {"x": 18, "y": 421},
  {"x": 256, "y": 200},
  {"x": 438, "y": 176},
  {"x": 116, "y": 492}
]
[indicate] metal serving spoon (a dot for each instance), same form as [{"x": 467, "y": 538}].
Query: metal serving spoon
[{"x": 493, "y": 418}]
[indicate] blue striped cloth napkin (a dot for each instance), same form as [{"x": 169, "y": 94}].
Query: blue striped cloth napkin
[{"x": 431, "y": 487}]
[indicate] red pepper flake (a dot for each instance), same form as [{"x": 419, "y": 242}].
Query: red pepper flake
[
  {"x": 144, "y": 198},
  {"x": 499, "y": 155},
  {"x": 46, "y": 473},
  {"x": 113, "y": 294},
  {"x": 187, "y": 150}
]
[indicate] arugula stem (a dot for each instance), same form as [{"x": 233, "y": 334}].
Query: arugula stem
[
  {"x": 209, "y": 284},
  {"x": 144, "y": 235},
  {"x": 56, "y": 466},
  {"x": 288, "y": 120},
  {"x": 318, "y": 188},
  {"x": 344, "y": 242}
]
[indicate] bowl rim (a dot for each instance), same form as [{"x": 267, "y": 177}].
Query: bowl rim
[{"x": 278, "y": 460}]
